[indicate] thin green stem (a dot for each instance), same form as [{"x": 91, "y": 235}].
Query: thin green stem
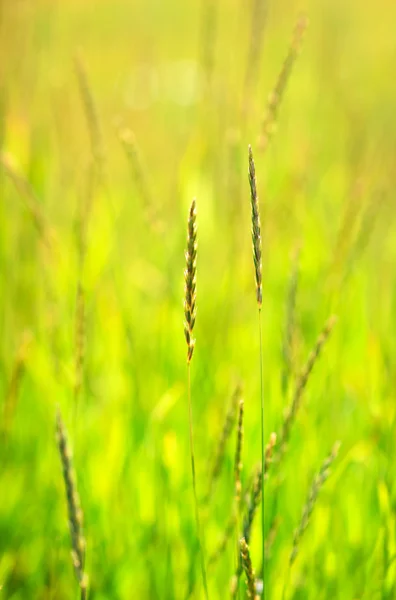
[
  {"x": 286, "y": 583},
  {"x": 200, "y": 543},
  {"x": 262, "y": 448}
]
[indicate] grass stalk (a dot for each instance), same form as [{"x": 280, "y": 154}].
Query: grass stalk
[
  {"x": 190, "y": 315},
  {"x": 219, "y": 454},
  {"x": 257, "y": 253},
  {"x": 309, "y": 506},
  {"x": 75, "y": 514},
  {"x": 289, "y": 334},
  {"x": 301, "y": 384},
  {"x": 249, "y": 572},
  {"x": 269, "y": 121}
]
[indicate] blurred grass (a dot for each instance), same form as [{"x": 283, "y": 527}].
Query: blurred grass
[{"x": 327, "y": 183}]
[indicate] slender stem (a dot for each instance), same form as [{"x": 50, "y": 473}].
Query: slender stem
[
  {"x": 200, "y": 544},
  {"x": 286, "y": 583},
  {"x": 262, "y": 449}
]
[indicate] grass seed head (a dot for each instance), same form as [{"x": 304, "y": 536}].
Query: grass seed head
[
  {"x": 190, "y": 280},
  {"x": 316, "y": 486},
  {"x": 302, "y": 382},
  {"x": 256, "y": 229},
  {"x": 73, "y": 504},
  {"x": 248, "y": 568}
]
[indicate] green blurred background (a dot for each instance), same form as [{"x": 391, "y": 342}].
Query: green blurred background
[{"x": 178, "y": 74}]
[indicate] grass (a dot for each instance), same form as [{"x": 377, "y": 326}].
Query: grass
[{"x": 113, "y": 116}]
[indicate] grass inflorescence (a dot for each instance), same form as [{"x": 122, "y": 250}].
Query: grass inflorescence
[
  {"x": 78, "y": 542},
  {"x": 190, "y": 314}
]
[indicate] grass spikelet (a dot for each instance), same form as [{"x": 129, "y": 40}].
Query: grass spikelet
[
  {"x": 269, "y": 450},
  {"x": 316, "y": 486},
  {"x": 228, "y": 426},
  {"x": 79, "y": 341},
  {"x": 290, "y": 325},
  {"x": 257, "y": 24},
  {"x": 91, "y": 113},
  {"x": 233, "y": 519},
  {"x": 270, "y": 539},
  {"x": 139, "y": 173},
  {"x": 275, "y": 98},
  {"x": 190, "y": 280},
  {"x": 256, "y": 229},
  {"x": 238, "y": 455},
  {"x": 256, "y": 492},
  {"x": 73, "y": 507},
  {"x": 253, "y": 504},
  {"x": 256, "y": 239},
  {"x": 227, "y": 534},
  {"x": 302, "y": 382},
  {"x": 208, "y": 38},
  {"x": 18, "y": 371},
  {"x": 190, "y": 314},
  {"x": 30, "y": 200},
  {"x": 83, "y": 215},
  {"x": 248, "y": 568}
]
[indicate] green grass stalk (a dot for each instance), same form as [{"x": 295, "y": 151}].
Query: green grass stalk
[
  {"x": 256, "y": 239},
  {"x": 190, "y": 315}
]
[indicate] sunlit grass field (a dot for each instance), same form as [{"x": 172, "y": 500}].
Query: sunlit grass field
[{"x": 113, "y": 117}]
